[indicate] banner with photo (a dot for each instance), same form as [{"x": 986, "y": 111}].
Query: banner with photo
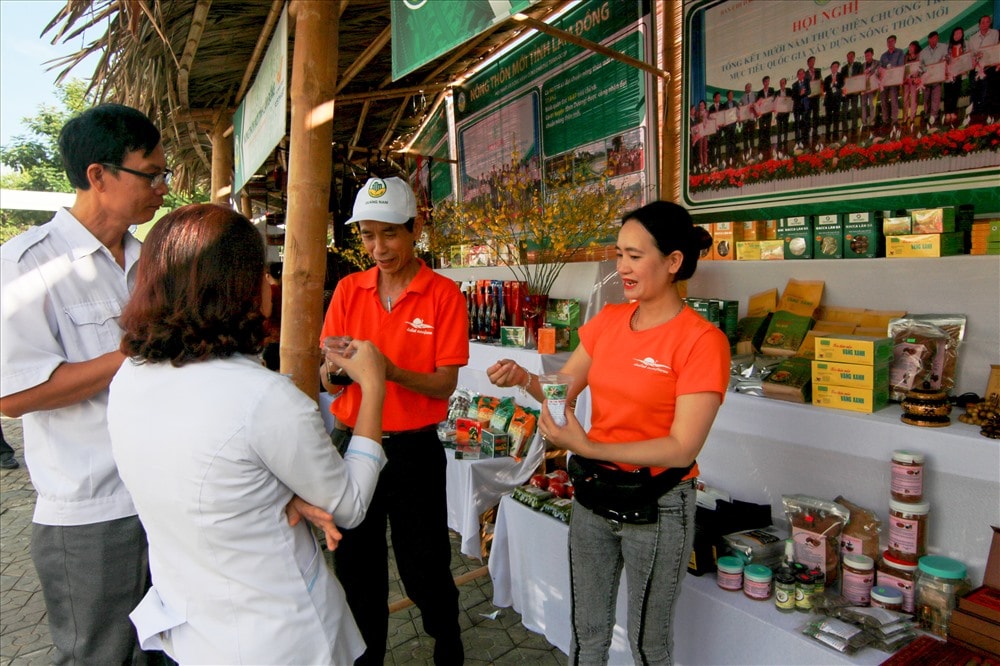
[
  {"x": 561, "y": 109},
  {"x": 433, "y": 164},
  {"x": 921, "y": 143}
]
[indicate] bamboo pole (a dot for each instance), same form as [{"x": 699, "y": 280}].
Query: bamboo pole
[
  {"x": 222, "y": 163},
  {"x": 671, "y": 142},
  {"x": 310, "y": 169}
]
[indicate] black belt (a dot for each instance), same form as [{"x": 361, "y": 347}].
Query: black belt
[{"x": 397, "y": 433}]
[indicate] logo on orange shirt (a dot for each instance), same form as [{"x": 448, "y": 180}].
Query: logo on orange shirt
[
  {"x": 652, "y": 364},
  {"x": 418, "y": 326}
]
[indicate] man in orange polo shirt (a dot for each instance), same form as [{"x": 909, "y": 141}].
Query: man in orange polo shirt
[{"x": 418, "y": 320}]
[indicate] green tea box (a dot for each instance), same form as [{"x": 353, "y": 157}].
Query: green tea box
[
  {"x": 863, "y": 237},
  {"x": 796, "y": 235},
  {"x": 829, "y": 237}
]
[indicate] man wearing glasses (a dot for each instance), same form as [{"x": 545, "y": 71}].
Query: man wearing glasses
[{"x": 62, "y": 287}]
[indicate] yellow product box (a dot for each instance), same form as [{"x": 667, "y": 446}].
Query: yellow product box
[
  {"x": 853, "y": 375},
  {"x": 724, "y": 237},
  {"x": 753, "y": 230},
  {"x": 854, "y": 349},
  {"x": 772, "y": 250},
  {"x": 850, "y": 398},
  {"x": 748, "y": 250},
  {"x": 834, "y": 327},
  {"x": 925, "y": 245}
]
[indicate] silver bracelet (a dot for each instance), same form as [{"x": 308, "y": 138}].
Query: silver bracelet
[{"x": 527, "y": 382}]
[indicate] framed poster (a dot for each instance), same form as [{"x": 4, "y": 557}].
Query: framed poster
[{"x": 729, "y": 44}]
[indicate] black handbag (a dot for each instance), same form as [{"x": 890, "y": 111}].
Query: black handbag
[{"x": 628, "y": 497}]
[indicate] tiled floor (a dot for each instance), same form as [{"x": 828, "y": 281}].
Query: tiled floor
[{"x": 491, "y": 635}]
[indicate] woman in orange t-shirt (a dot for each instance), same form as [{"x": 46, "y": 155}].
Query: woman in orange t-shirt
[{"x": 657, "y": 373}]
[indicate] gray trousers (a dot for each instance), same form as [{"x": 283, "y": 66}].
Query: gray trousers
[{"x": 92, "y": 576}]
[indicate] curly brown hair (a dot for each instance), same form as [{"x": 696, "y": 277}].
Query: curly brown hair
[{"x": 198, "y": 292}]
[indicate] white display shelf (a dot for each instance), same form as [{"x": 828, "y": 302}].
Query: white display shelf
[{"x": 759, "y": 449}]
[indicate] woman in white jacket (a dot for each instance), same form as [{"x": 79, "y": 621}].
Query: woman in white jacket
[{"x": 213, "y": 447}]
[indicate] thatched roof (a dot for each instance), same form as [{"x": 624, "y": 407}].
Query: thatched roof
[{"x": 156, "y": 56}]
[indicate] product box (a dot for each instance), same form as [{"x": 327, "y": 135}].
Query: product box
[
  {"x": 797, "y": 235},
  {"x": 790, "y": 380},
  {"x": 855, "y": 349},
  {"x": 547, "y": 339},
  {"x": 925, "y": 245},
  {"x": 724, "y": 236},
  {"x": 750, "y": 333},
  {"x": 707, "y": 308},
  {"x": 785, "y": 333},
  {"x": 494, "y": 443},
  {"x": 748, "y": 250},
  {"x": 468, "y": 451},
  {"x": 896, "y": 226},
  {"x": 567, "y": 338},
  {"x": 563, "y": 312},
  {"x": 850, "y": 398},
  {"x": 729, "y": 317},
  {"x": 850, "y": 374},
  {"x": 512, "y": 336},
  {"x": 933, "y": 220},
  {"x": 863, "y": 238},
  {"x": 770, "y": 229},
  {"x": 828, "y": 241},
  {"x": 771, "y": 250},
  {"x": 469, "y": 431},
  {"x": 709, "y": 253},
  {"x": 753, "y": 230},
  {"x": 834, "y": 327}
]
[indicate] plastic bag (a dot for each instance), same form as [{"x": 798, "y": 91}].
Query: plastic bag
[
  {"x": 925, "y": 353},
  {"x": 816, "y": 527}
]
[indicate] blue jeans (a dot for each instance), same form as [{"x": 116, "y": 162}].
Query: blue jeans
[{"x": 655, "y": 558}]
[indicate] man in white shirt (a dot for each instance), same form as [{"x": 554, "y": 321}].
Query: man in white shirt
[
  {"x": 985, "y": 91},
  {"x": 932, "y": 54},
  {"x": 62, "y": 287}
]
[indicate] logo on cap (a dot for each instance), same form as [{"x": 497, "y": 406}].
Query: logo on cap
[{"x": 377, "y": 188}]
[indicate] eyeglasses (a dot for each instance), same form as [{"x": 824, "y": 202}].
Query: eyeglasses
[{"x": 155, "y": 179}]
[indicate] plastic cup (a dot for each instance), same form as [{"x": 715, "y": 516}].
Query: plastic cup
[
  {"x": 334, "y": 346},
  {"x": 555, "y": 388}
]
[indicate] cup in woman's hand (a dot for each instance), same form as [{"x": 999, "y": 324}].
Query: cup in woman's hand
[{"x": 335, "y": 346}]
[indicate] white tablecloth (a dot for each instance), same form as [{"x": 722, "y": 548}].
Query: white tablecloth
[
  {"x": 477, "y": 485},
  {"x": 530, "y": 571}
]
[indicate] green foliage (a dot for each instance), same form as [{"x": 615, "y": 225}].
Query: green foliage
[{"x": 31, "y": 161}]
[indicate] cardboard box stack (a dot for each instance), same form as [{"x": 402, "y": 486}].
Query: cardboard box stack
[
  {"x": 976, "y": 621},
  {"x": 564, "y": 315},
  {"x": 851, "y": 372}
]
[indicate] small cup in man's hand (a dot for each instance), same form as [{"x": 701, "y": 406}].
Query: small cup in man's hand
[{"x": 334, "y": 346}]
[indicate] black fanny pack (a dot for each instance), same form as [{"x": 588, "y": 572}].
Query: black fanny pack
[{"x": 628, "y": 497}]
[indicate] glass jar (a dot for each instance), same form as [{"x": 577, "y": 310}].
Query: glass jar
[
  {"x": 730, "y": 573},
  {"x": 804, "y": 589},
  {"x": 939, "y": 582},
  {"x": 908, "y": 530},
  {"x": 888, "y": 598},
  {"x": 897, "y": 573},
  {"x": 757, "y": 582},
  {"x": 907, "y": 483},
  {"x": 858, "y": 577},
  {"x": 784, "y": 591}
]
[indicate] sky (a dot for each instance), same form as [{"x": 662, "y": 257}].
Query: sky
[{"x": 25, "y": 84}]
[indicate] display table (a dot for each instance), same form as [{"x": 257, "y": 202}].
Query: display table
[
  {"x": 530, "y": 571},
  {"x": 475, "y": 486}
]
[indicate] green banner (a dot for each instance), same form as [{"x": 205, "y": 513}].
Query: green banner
[
  {"x": 594, "y": 99},
  {"x": 422, "y": 30},
  {"x": 259, "y": 121},
  {"x": 433, "y": 142},
  {"x": 594, "y": 20}
]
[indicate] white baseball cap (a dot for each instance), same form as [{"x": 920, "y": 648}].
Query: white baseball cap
[{"x": 385, "y": 200}]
